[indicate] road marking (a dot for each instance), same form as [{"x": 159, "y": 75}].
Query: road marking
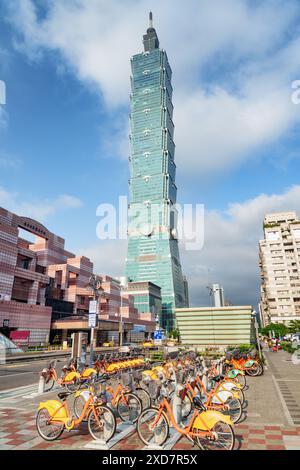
[
  {"x": 22, "y": 389},
  {"x": 285, "y": 408},
  {"x": 13, "y": 375},
  {"x": 288, "y": 380}
]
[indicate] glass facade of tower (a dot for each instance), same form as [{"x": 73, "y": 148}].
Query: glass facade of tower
[{"x": 152, "y": 245}]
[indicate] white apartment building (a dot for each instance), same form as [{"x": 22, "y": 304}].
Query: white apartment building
[{"x": 279, "y": 255}]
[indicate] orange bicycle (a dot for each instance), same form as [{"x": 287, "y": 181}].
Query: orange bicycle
[
  {"x": 127, "y": 403},
  {"x": 54, "y": 417},
  {"x": 209, "y": 429},
  {"x": 227, "y": 402}
]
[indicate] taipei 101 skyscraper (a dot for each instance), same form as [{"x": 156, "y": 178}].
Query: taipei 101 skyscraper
[{"x": 152, "y": 236}]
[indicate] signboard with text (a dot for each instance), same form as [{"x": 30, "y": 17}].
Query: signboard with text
[
  {"x": 93, "y": 306},
  {"x": 92, "y": 320}
]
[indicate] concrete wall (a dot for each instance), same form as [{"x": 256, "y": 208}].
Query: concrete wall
[{"x": 214, "y": 326}]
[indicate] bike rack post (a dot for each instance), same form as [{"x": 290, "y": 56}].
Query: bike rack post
[
  {"x": 41, "y": 383},
  {"x": 204, "y": 377}
]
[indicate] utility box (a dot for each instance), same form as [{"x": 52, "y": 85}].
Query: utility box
[{"x": 79, "y": 346}]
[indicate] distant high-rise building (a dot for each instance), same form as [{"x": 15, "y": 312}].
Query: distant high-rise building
[
  {"x": 153, "y": 254},
  {"x": 279, "y": 255}
]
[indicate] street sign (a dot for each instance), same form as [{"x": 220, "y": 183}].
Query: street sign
[
  {"x": 158, "y": 336},
  {"x": 92, "y": 320},
  {"x": 93, "y": 306},
  {"x": 5, "y": 323}
]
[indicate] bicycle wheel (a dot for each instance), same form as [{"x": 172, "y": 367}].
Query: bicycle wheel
[
  {"x": 78, "y": 405},
  {"x": 148, "y": 432},
  {"x": 48, "y": 431},
  {"x": 129, "y": 407},
  {"x": 235, "y": 409},
  {"x": 102, "y": 423},
  {"x": 186, "y": 406},
  {"x": 240, "y": 393},
  {"x": 261, "y": 368},
  {"x": 222, "y": 438},
  {"x": 49, "y": 383},
  {"x": 241, "y": 379},
  {"x": 254, "y": 370},
  {"x": 144, "y": 396},
  {"x": 73, "y": 386}
]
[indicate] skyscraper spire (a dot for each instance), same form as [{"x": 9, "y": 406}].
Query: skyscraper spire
[
  {"x": 150, "y": 20},
  {"x": 150, "y": 39}
]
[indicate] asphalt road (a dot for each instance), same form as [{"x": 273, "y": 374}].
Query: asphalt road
[{"x": 24, "y": 373}]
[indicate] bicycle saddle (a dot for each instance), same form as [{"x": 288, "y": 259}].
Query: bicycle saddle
[
  {"x": 63, "y": 395},
  {"x": 217, "y": 378},
  {"x": 198, "y": 403}
]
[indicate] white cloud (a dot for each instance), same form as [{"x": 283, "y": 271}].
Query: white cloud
[
  {"x": 230, "y": 252},
  {"x": 248, "y": 52},
  {"x": 108, "y": 256},
  {"x": 229, "y": 255},
  {"x": 38, "y": 209}
]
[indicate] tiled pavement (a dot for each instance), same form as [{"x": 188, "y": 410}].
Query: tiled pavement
[
  {"x": 18, "y": 431},
  {"x": 265, "y": 425}
]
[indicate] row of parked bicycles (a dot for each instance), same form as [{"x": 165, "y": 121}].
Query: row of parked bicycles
[{"x": 199, "y": 400}]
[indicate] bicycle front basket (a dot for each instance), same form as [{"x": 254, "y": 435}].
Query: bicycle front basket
[
  {"x": 154, "y": 389},
  {"x": 126, "y": 379}
]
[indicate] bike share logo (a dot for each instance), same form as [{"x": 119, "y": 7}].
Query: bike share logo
[{"x": 2, "y": 93}]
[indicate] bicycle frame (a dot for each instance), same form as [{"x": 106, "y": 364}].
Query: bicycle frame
[
  {"x": 116, "y": 394},
  {"x": 68, "y": 422},
  {"x": 209, "y": 404},
  {"x": 188, "y": 430}
]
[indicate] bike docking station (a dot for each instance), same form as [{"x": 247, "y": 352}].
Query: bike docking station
[
  {"x": 124, "y": 429},
  {"x": 174, "y": 435}
]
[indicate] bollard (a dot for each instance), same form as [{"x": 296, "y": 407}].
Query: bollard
[{"x": 41, "y": 384}]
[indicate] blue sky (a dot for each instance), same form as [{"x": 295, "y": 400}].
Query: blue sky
[{"x": 64, "y": 129}]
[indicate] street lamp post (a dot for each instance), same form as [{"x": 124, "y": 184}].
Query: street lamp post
[
  {"x": 256, "y": 333},
  {"x": 123, "y": 285},
  {"x": 95, "y": 284}
]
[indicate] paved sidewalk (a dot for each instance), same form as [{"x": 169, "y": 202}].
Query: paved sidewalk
[{"x": 270, "y": 419}]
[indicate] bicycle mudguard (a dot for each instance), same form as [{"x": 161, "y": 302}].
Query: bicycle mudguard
[
  {"x": 83, "y": 393},
  {"x": 207, "y": 420},
  {"x": 54, "y": 407},
  {"x": 89, "y": 371},
  {"x": 71, "y": 376},
  {"x": 229, "y": 386},
  {"x": 150, "y": 373},
  {"x": 158, "y": 369},
  {"x": 221, "y": 396},
  {"x": 249, "y": 363},
  {"x": 232, "y": 374}
]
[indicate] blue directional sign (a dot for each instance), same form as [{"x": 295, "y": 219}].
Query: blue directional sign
[{"x": 158, "y": 334}]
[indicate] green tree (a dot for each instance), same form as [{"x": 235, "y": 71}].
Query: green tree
[
  {"x": 279, "y": 329},
  {"x": 294, "y": 326},
  {"x": 174, "y": 334}
]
